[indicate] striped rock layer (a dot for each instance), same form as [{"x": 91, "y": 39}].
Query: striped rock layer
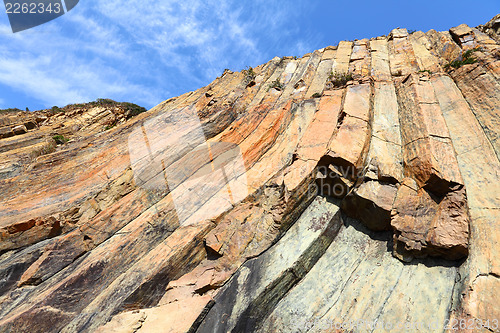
[{"x": 276, "y": 199}]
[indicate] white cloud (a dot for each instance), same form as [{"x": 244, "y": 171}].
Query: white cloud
[
  {"x": 207, "y": 34},
  {"x": 58, "y": 68},
  {"x": 68, "y": 83},
  {"x": 30, "y": 76},
  {"x": 141, "y": 51}
]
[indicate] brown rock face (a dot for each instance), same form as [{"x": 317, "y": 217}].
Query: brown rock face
[
  {"x": 427, "y": 148},
  {"x": 426, "y": 224},
  {"x": 253, "y": 206},
  {"x": 492, "y": 28}
]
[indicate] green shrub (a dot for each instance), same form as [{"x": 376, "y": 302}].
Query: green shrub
[
  {"x": 59, "y": 139},
  {"x": 104, "y": 101},
  {"x": 250, "y": 75},
  {"x": 132, "y": 109},
  {"x": 340, "y": 79},
  {"x": 276, "y": 84},
  {"x": 411, "y": 31},
  {"x": 425, "y": 71},
  {"x": 316, "y": 95},
  {"x": 465, "y": 59},
  {"x": 11, "y": 110},
  {"x": 56, "y": 109}
]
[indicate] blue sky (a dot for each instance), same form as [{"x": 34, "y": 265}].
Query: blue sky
[{"x": 148, "y": 51}]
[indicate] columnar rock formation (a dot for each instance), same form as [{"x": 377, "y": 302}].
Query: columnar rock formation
[{"x": 357, "y": 183}]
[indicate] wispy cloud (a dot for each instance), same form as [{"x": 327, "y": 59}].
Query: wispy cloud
[
  {"x": 197, "y": 38},
  {"x": 141, "y": 51}
]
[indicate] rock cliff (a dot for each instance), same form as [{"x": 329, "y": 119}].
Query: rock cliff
[{"x": 352, "y": 189}]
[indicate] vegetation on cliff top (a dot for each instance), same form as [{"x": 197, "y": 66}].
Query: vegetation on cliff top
[
  {"x": 131, "y": 109},
  {"x": 11, "y": 110},
  {"x": 249, "y": 75}
]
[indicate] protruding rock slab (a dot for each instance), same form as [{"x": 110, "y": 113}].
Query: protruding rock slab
[
  {"x": 259, "y": 284},
  {"x": 464, "y": 36},
  {"x": 371, "y": 203},
  {"x": 342, "y": 165},
  {"x": 14, "y": 264},
  {"x": 428, "y": 225},
  {"x": 6, "y": 132},
  {"x": 25, "y": 233},
  {"x": 168, "y": 318}
]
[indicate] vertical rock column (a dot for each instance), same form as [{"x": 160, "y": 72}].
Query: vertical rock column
[
  {"x": 318, "y": 83},
  {"x": 315, "y": 140},
  {"x": 401, "y": 54},
  {"x": 430, "y": 214},
  {"x": 428, "y": 152},
  {"x": 443, "y": 46},
  {"x": 372, "y": 201},
  {"x": 360, "y": 59},
  {"x": 348, "y": 147},
  {"x": 482, "y": 90},
  {"x": 343, "y": 56},
  {"x": 481, "y": 174},
  {"x": 425, "y": 59}
]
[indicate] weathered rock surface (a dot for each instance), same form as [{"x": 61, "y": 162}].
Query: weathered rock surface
[
  {"x": 275, "y": 199},
  {"x": 254, "y": 290},
  {"x": 427, "y": 148},
  {"x": 425, "y": 224},
  {"x": 481, "y": 173},
  {"x": 492, "y": 28},
  {"x": 357, "y": 283}
]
